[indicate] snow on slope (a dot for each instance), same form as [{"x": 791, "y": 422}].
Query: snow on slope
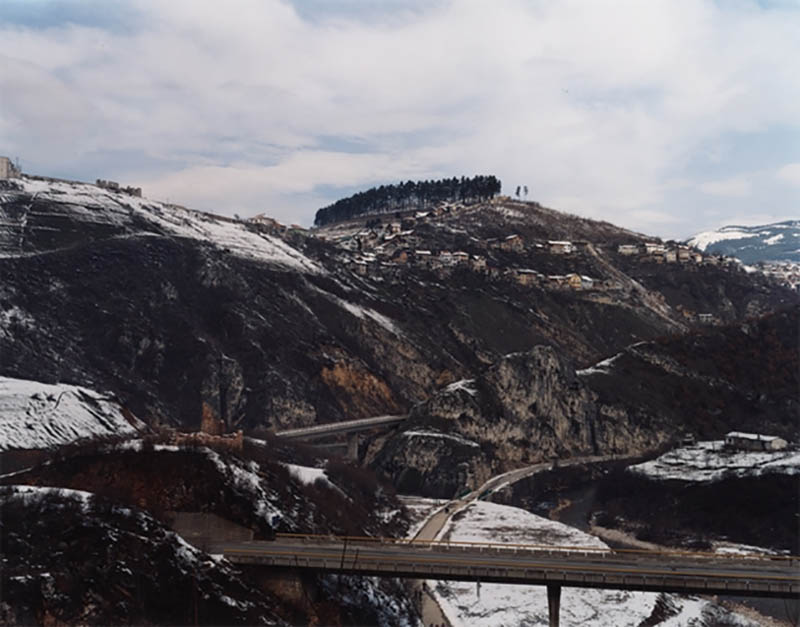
[
  {"x": 770, "y": 242},
  {"x": 494, "y": 605},
  {"x": 711, "y": 461},
  {"x": 91, "y": 204},
  {"x": 37, "y": 415}
]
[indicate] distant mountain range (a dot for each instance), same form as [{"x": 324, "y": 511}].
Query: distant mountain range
[{"x": 750, "y": 244}]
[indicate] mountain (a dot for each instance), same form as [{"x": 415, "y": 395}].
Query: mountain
[
  {"x": 751, "y": 244},
  {"x": 183, "y": 316},
  {"x": 510, "y": 334}
]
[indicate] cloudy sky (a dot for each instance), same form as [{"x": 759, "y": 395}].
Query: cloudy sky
[{"x": 666, "y": 116}]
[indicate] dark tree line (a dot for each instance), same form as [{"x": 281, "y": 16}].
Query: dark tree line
[{"x": 409, "y": 195}]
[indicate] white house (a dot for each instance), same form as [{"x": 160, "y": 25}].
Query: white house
[
  {"x": 7, "y": 169},
  {"x": 754, "y": 441}
]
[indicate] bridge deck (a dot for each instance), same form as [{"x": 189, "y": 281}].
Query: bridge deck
[
  {"x": 347, "y": 426},
  {"x": 520, "y": 564}
]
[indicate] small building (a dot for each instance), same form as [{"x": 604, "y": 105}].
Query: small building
[
  {"x": 460, "y": 257},
  {"x": 581, "y": 245},
  {"x": 697, "y": 257},
  {"x": 754, "y": 441},
  {"x": 112, "y": 185},
  {"x": 393, "y": 227},
  {"x": 360, "y": 267},
  {"x": 526, "y": 277},
  {"x": 446, "y": 258},
  {"x": 8, "y": 170},
  {"x": 423, "y": 257},
  {"x": 705, "y": 318},
  {"x": 587, "y": 283},
  {"x": 628, "y": 249},
  {"x": 684, "y": 254},
  {"x": 557, "y": 280},
  {"x": 654, "y": 248},
  {"x": 574, "y": 281},
  {"x": 671, "y": 256},
  {"x": 512, "y": 243},
  {"x": 559, "y": 247},
  {"x": 400, "y": 256},
  {"x": 478, "y": 263}
]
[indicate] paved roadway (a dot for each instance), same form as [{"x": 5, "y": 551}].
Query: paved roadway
[
  {"x": 347, "y": 426},
  {"x": 628, "y": 570}
]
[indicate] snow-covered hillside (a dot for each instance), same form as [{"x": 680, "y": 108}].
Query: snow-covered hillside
[
  {"x": 36, "y": 415},
  {"x": 493, "y": 605},
  {"x": 751, "y": 244},
  {"x": 711, "y": 461},
  {"x": 34, "y": 210}
]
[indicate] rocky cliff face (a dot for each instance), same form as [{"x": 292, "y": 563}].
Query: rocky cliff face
[
  {"x": 185, "y": 316},
  {"x": 535, "y": 407},
  {"x": 527, "y": 408}
]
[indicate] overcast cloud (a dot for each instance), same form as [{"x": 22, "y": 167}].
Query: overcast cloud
[{"x": 664, "y": 116}]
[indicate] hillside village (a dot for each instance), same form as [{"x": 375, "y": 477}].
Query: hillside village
[{"x": 387, "y": 246}]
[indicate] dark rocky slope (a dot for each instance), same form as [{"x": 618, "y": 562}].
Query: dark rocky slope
[
  {"x": 182, "y": 314},
  {"x": 533, "y": 407},
  {"x": 127, "y": 491}
]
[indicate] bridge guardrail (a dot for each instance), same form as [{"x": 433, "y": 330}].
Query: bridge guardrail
[{"x": 702, "y": 556}]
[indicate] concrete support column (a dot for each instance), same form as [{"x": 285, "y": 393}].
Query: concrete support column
[
  {"x": 352, "y": 446},
  {"x": 553, "y": 603}
]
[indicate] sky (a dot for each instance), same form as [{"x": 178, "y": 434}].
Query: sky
[{"x": 666, "y": 116}]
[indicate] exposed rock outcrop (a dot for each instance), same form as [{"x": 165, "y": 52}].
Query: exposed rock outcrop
[{"x": 529, "y": 407}]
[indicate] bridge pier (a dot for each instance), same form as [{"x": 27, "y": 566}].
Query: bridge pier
[
  {"x": 352, "y": 447},
  {"x": 553, "y": 603}
]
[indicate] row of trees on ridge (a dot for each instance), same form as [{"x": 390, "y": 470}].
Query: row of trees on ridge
[{"x": 410, "y": 195}]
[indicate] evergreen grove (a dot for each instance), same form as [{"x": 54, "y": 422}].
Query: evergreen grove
[{"x": 409, "y": 196}]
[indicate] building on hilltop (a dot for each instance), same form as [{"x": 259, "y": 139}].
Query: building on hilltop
[
  {"x": 559, "y": 247},
  {"x": 754, "y": 441},
  {"x": 8, "y": 170}
]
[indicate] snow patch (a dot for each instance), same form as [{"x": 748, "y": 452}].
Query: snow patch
[
  {"x": 467, "y": 385},
  {"x": 711, "y": 461},
  {"x": 443, "y": 436},
  {"x": 36, "y": 415},
  {"x": 601, "y": 367},
  {"x": 479, "y": 605},
  {"x": 92, "y": 204}
]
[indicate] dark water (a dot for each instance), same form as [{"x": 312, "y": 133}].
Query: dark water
[{"x": 577, "y": 515}]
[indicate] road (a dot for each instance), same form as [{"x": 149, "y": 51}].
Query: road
[
  {"x": 347, "y": 426},
  {"x": 503, "y": 563},
  {"x": 436, "y": 522}
]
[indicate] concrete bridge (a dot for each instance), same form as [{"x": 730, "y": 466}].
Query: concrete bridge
[
  {"x": 317, "y": 432},
  {"x": 554, "y": 567}
]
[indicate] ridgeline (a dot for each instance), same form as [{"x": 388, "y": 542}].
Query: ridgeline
[{"x": 409, "y": 196}]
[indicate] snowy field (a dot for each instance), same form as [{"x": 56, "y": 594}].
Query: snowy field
[
  {"x": 710, "y": 461},
  {"x": 500, "y": 605},
  {"x": 37, "y": 415}
]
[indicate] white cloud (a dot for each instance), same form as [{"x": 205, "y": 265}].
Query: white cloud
[
  {"x": 790, "y": 173},
  {"x": 595, "y": 106},
  {"x": 734, "y": 187}
]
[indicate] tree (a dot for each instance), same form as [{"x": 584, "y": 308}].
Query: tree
[
  {"x": 525, "y": 191},
  {"x": 517, "y": 191}
]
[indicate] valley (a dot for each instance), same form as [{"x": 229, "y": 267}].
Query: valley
[{"x": 562, "y": 381}]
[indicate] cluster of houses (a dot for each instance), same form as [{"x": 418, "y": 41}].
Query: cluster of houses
[
  {"x": 116, "y": 187},
  {"x": 661, "y": 253},
  {"x": 786, "y": 273},
  {"x": 443, "y": 263},
  {"x": 10, "y": 170}
]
